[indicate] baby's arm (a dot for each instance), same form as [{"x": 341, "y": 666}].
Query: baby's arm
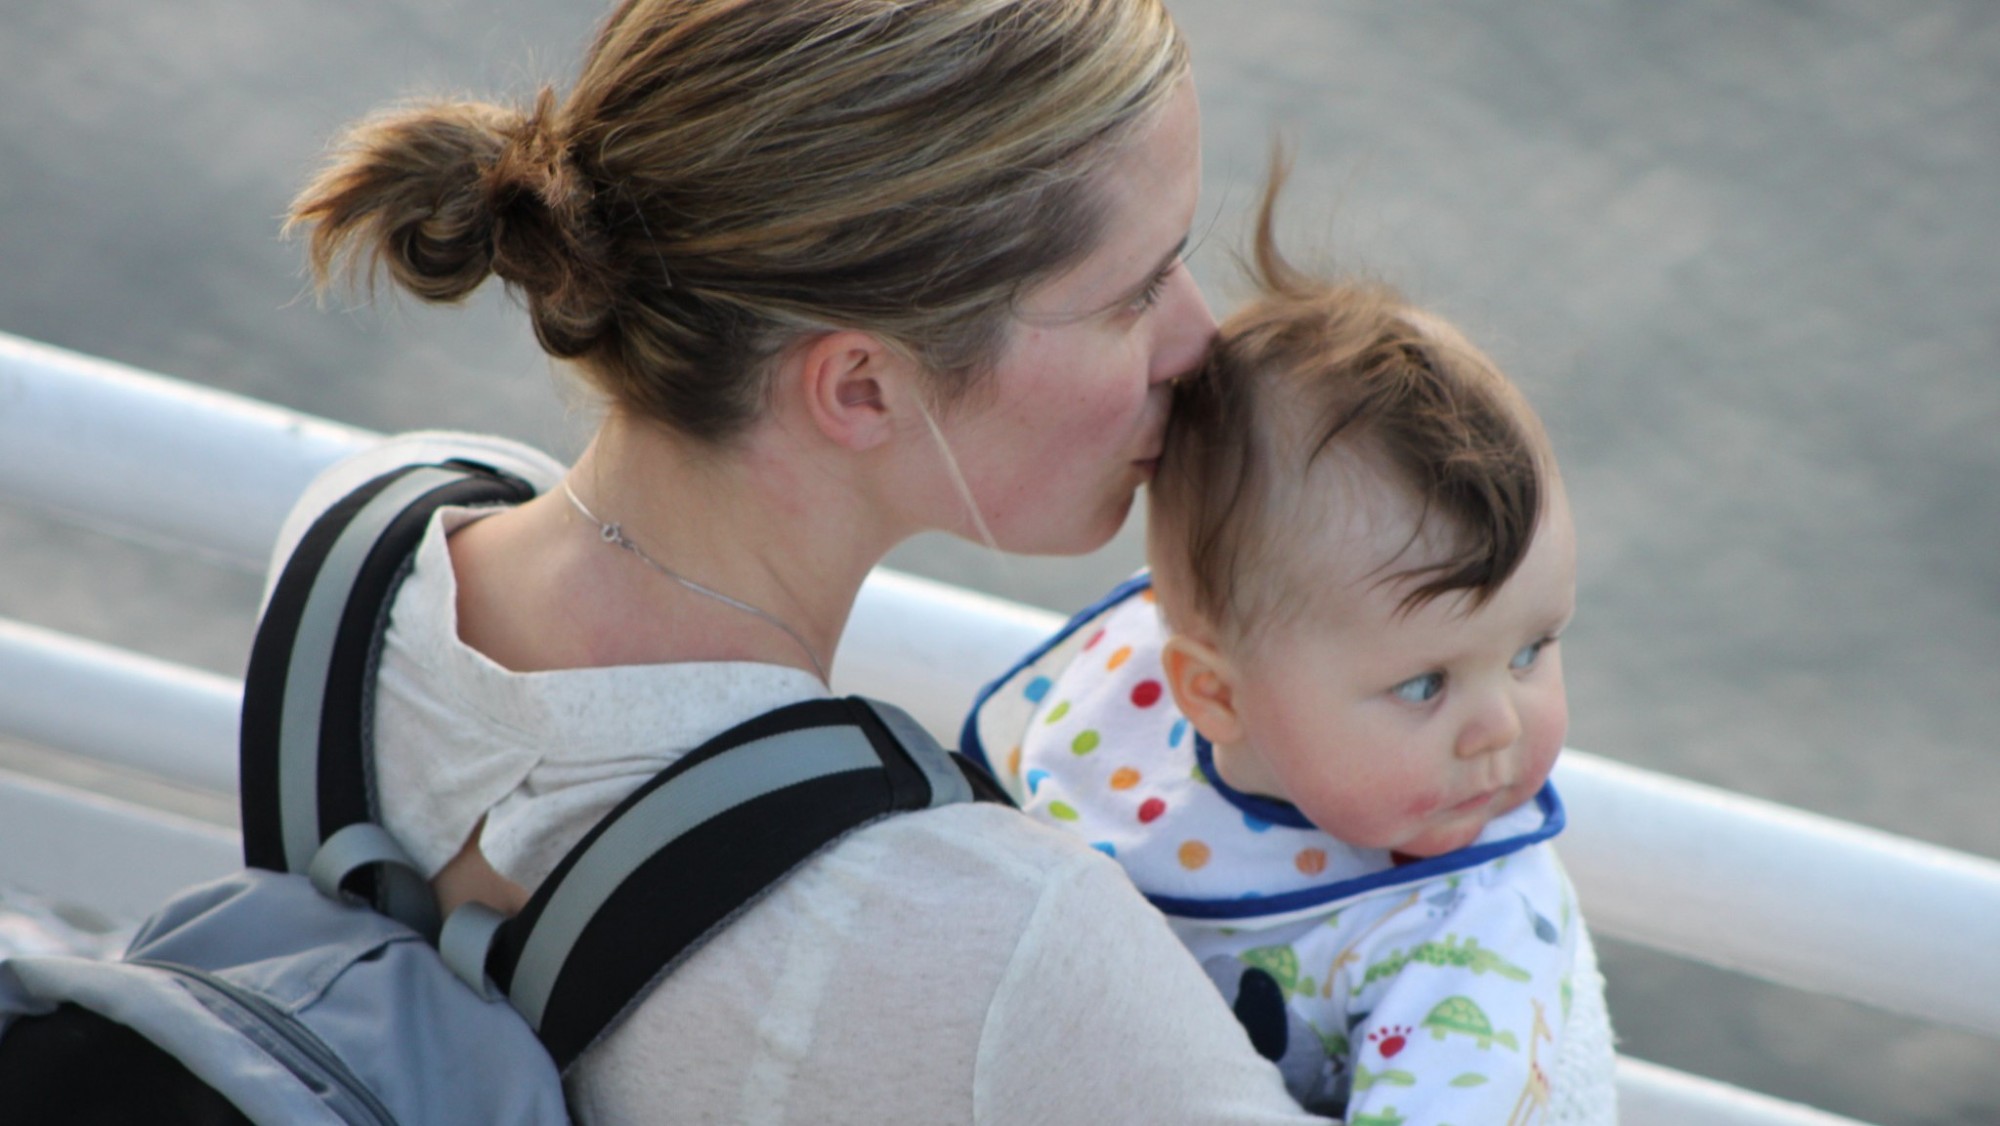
[{"x": 1457, "y": 1002}]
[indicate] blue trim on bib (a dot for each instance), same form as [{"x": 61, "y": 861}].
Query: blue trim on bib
[
  {"x": 968, "y": 736},
  {"x": 1554, "y": 818},
  {"x": 1262, "y": 808}
]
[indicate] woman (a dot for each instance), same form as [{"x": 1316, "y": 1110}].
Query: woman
[{"x": 844, "y": 271}]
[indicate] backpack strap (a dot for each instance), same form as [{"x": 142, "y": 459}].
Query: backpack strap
[
  {"x": 693, "y": 848},
  {"x": 307, "y": 799},
  {"x": 673, "y": 864}
]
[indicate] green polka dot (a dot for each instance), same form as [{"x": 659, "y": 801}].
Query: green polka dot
[
  {"x": 1085, "y": 743},
  {"x": 1061, "y": 811},
  {"x": 1057, "y": 712}
]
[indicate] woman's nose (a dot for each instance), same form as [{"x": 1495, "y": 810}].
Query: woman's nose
[{"x": 1186, "y": 327}]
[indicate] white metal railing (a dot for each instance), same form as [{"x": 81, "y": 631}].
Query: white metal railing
[{"x": 1688, "y": 869}]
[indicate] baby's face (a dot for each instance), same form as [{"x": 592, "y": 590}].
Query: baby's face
[{"x": 1409, "y": 731}]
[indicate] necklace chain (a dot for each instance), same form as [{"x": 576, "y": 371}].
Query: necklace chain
[{"x": 614, "y": 534}]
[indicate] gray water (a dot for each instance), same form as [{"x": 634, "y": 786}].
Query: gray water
[{"x": 1743, "y": 256}]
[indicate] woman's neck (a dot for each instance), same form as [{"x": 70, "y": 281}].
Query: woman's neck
[{"x": 763, "y": 523}]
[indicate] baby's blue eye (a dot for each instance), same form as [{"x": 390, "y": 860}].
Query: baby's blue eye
[
  {"x": 1527, "y": 655},
  {"x": 1419, "y": 689}
]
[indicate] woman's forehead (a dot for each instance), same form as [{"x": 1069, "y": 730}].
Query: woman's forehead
[{"x": 1150, "y": 188}]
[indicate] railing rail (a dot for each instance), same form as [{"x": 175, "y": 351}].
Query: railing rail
[{"x": 1688, "y": 869}]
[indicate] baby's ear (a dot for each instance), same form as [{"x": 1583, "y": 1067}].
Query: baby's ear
[{"x": 1204, "y": 687}]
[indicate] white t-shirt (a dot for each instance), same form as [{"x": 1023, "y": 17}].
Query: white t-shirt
[{"x": 954, "y": 965}]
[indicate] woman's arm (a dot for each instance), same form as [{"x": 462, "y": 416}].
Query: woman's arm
[{"x": 1103, "y": 1016}]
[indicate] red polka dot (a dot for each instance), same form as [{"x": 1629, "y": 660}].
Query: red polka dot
[
  {"x": 1150, "y": 810},
  {"x": 1146, "y": 693},
  {"x": 1094, "y": 639}
]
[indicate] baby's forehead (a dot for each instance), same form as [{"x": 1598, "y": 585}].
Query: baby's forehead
[
  {"x": 1350, "y": 516},
  {"x": 1351, "y": 543},
  {"x": 1336, "y": 536}
]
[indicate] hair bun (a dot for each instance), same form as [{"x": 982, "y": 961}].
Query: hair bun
[
  {"x": 444, "y": 194},
  {"x": 545, "y": 237}
]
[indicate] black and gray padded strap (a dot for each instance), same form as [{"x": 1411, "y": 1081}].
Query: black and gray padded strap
[
  {"x": 694, "y": 847},
  {"x": 306, "y": 788},
  {"x": 673, "y": 864}
]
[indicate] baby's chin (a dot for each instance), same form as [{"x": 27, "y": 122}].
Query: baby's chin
[
  {"x": 1443, "y": 839},
  {"x": 1453, "y": 834}
]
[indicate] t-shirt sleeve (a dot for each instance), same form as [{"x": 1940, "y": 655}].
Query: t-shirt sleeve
[{"x": 1102, "y": 1016}]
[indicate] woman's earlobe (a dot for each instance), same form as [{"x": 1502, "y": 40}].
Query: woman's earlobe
[{"x": 1203, "y": 687}]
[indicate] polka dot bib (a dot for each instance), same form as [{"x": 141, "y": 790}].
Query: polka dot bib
[{"x": 1096, "y": 747}]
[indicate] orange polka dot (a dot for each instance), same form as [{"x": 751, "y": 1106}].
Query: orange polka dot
[
  {"x": 1123, "y": 654},
  {"x": 1311, "y": 861},
  {"x": 1014, "y": 762},
  {"x": 1124, "y": 778},
  {"x": 1146, "y": 595},
  {"x": 1194, "y": 855}
]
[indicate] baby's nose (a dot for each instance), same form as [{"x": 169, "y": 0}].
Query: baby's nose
[{"x": 1495, "y": 727}]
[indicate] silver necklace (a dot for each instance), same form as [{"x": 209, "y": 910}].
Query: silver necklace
[{"x": 614, "y": 535}]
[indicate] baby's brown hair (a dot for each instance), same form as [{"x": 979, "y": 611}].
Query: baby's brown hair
[{"x": 1311, "y": 368}]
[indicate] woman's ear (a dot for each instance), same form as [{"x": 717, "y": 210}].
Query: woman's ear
[
  {"x": 852, "y": 384},
  {"x": 1204, "y": 688}
]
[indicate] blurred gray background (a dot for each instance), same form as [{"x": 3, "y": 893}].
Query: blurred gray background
[{"x": 1742, "y": 255}]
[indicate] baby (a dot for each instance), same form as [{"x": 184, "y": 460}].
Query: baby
[{"x": 1319, "y": 736}]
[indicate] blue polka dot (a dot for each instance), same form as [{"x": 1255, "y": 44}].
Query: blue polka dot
[
  {"x": 1035, "y": 779},
  {"x": 1254, "y": 823},
  {"x": 1178, "y": 733},
  {"x": 1038, "y": 688},
  {"x": 1107, "y": 848}
]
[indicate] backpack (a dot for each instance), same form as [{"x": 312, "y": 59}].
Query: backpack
[{"x": 319, "y": 985}]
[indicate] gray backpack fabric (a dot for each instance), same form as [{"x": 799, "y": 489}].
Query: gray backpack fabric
[
  {"x": 293, "y": 1007},
  {"x": 319, "y": 985}
]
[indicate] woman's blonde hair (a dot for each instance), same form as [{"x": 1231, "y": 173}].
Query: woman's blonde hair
[{"x": 726, "y": 175}]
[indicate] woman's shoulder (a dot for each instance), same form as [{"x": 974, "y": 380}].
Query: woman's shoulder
[
  {"x": 986, "y": 845},
  {"x": 987, "y": 880},
  {"x": 414, "y": 448}
]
